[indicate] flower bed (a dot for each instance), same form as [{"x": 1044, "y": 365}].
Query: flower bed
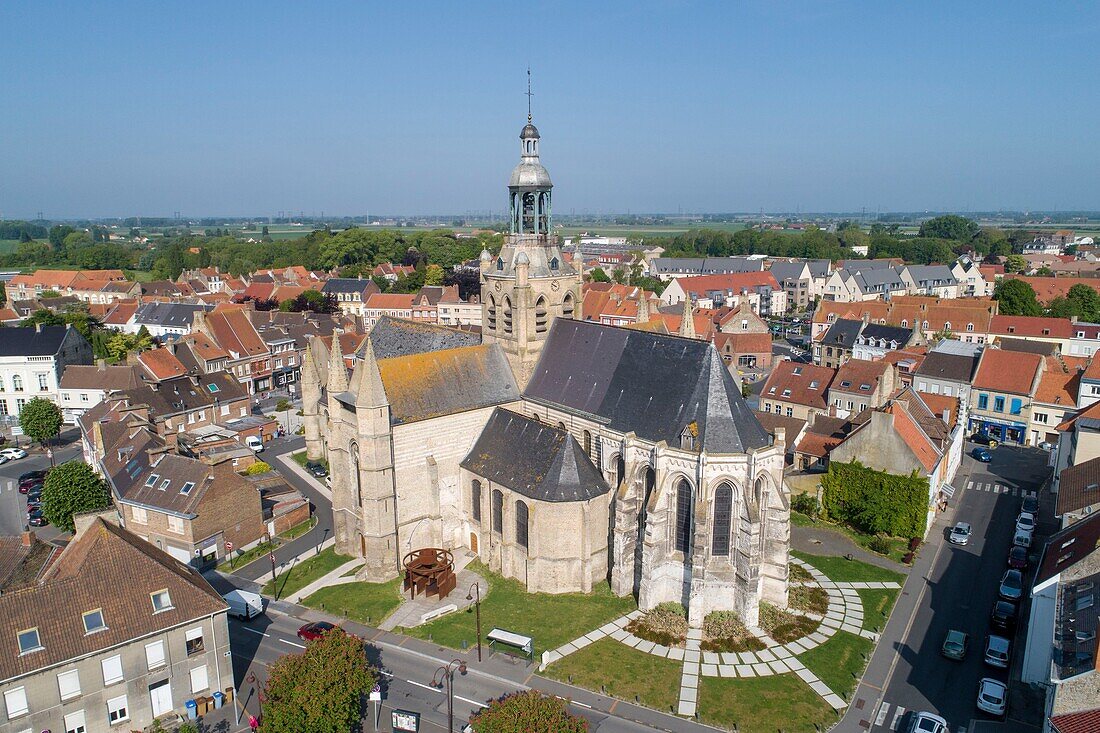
[
  {"x": 784, "y": 626},
  {"x": 810, "y": 599},
  {"x": 666, "y": 625},
  {"x": 724, "y": 632}
]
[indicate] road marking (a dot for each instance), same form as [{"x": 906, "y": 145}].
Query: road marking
[
  {"x": 574, "y": 702},
  {"x": 883, "y": 709},
  {"x": 472, "y": 702},
  {"x": 426, "y": 687},
  {"x": 969, "y": 484},
  {"x": 899, "y": 711},
  {"x": 996, "y": 488},
  {"x": 255, "y": 631},
  {"x": 292, "y": 643}
]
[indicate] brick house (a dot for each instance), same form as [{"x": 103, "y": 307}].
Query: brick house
[{"x": 797, "y": 390}]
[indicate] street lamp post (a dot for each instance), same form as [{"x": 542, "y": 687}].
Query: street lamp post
[
  {"x": 475, "y": 593},
  {"x": 448, "y": 673}
]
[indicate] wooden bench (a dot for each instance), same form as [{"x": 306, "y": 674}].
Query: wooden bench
[{"x": 525, "y": 644}]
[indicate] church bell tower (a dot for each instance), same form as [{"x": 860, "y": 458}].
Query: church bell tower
[{"x": 529, "y": 283}]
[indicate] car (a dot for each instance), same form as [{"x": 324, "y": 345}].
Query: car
[
  {"x": 315, "y": 630},
  {"x": 992, "y": 696},
  {"x": 1003, "y": 617},
  {"x": 1012, "y": 585},
  {"x": 1047, "y": 446},
  {"x": 1031, "y": 505},
  {"x": 316, "y": 469},
  {"x": 13, "y": 454},
  {"x": 997, "y": 650},
  {"x": 983, "y": 455},
  {"x": 960, "y": 534},
  {"x": 37, "y": 519},
  {"x": 984, "y": 438},
  {"x": 34, "y": 494},
  {"x": 926, "y": 723},
  {"x": 31, "y": 475},
  {"x": 30, "y": 486},
  {"x": 3, "y": 459},
  {"x": 955, "y": 645},
  {"x": 1026, "y": 522},
  {"x": 1017, "y": 558},
  {"x": 1022, "y": 538}
]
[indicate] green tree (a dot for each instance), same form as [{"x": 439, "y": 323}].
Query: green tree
[
  {"x": 1015, "y": 263},
  {"x": 598, "y": 275},
  {"x": 529, "y": 711},
  {"x": 51, "y": 293},
  {"x": 40, "y": 420},
  {"x": 1081, "y": 302},
  {"x": 950, "y": 226},
  {"x": 121, "y": 344},
  {"x": 72, "y": 488},
  {"x": 433, "y": 275},
  {"x": 320, "y": 690},
  {"x": 1016, "y": 298}
]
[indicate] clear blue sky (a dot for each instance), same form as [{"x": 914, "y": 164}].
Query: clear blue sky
[{"x": 224, "y": 108}]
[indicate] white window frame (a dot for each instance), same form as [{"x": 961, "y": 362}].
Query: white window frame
[
  {"x": 76, "y": 722},
  {"x": 68, "y": 684},
  {"x": 139, "y": 515},
  {"x": 112, "y": 670},
  {"x": 153, "y": 599},
  {"x": 114, "y": 707},
  {"x": 102, "y": 621},
  {"x": 175, "y": 524}
]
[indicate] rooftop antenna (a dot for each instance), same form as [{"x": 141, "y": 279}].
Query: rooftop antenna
[{"x": 529, "y": 95}]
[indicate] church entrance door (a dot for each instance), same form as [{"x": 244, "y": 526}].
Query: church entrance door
[{"x": 473, "y": 542}]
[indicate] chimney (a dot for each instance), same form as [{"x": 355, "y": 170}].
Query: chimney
[
  {"x": 27, "y": 538},
  {"x": 84, "y": 521},
  {"x": 946, "y": 416},
  {"x": 101, "y": 364},
  {"x": 38, "y": 327}
]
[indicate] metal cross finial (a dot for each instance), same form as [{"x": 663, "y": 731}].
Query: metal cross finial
[{"x": 529, "y": 95}]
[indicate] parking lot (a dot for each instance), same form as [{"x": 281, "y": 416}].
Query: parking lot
[{"x": 13, "y": 505}]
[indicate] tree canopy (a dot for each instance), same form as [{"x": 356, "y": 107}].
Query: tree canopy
[
  {"x": 320, "y": 690},
  {"x": 1016, "y": 298},
  {"x": 529, "y": 711},
  {"x": 1081, "y": 302},
  {"x": 950, "y": 226},
  {"x": 72, "y": 488},
  {"x": 40, "y": 419}
]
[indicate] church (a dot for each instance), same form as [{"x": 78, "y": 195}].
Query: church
[{"x": 563, "y": 453}]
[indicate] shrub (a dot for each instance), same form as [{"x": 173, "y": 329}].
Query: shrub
[
  {"x": 784, "y": 626},
  {"x": 798, "y": 573},
  {"x": 907, "y": 558},
  {"x": 806, "y": 504},
  {"x": 875, "y": 502},
  {"x": 666, "y": 624},
  {"x": 811, "y": 599},
  {"x": 879, "y": 544},
  {"x": 914, "y": 543},
  {"x": 724, "y": 632},
  {"x": 257, "y": 468}
]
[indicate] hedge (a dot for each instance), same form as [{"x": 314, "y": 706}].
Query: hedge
[{"x": 875, "y": 502}]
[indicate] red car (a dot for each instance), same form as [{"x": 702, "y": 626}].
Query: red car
[
  {"x": 1017, "y": 558},
  {"x": 314, "y": 630}
]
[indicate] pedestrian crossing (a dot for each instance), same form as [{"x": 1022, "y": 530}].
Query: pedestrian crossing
[
  {"x": 891, "y": 717},
  {"x": 998, "y": 488}
]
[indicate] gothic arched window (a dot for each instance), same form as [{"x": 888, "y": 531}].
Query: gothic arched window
[
  {"x": 492, "y": 312},
  {"x": 521, "y": 524},
  {"x": 553, "y": 263},
  {"x": 588, "y": 443},
  {"x": 507, "y": 315},
  {"x": 500, "y": 263},
  {"x": 475, "y": 500},
  {"x": 723, "y": 511},
  {"x": 355, "y": 475},
  {"x": 567, "y": 306},
  {"x": 540, "y": 316},
  {"x": 498, "y": 511},
  {"x": 683, "y": 517}
]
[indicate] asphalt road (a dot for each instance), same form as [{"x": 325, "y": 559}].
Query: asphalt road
[
  {"x": 13, "y": 505},
  {"x": 956, "y": 590}
]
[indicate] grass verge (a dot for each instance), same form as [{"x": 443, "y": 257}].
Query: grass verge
[
  {"x": 849, "y": 571},
  {"x": 299, "y": 529},
  {"x": 898, "y": 545},
  {"x": 762, "y": 704},
  {"x": 551, "y": 620},
  {"x": 877, "y": 605},
  {"x": 239, "y": 560},
  {"x": 623, "y": 672},
  {"x": 302, "y": 574},
  {"x": 367, "y": 603},
  {"x": 839, "y": 662},
  {"x": 301, "y": 460}
]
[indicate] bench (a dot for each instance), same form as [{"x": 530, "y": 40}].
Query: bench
[
  {"x": 436, "y": 613},
  {"x": 510, "y": 638}
]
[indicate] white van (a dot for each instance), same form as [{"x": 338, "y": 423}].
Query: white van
[
  {"x": 254, "y": 443},
  {"x": 1022, "y": 538}
]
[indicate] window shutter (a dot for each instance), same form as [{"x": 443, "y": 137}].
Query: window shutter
[
  {"x": 198, "y": 679},
  {"x": 154, "y": 654},
  {"x": 112, "y": 670},
  {"x": 68, "y": 684},
  {"x": 16, "y": 702}
]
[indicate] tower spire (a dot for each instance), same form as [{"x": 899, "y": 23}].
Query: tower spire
[{"x": 529, "y": 95}]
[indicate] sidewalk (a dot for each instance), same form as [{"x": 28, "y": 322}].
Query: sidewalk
[{"x": 335, "y": 577}]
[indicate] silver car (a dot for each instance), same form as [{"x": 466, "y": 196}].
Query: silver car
[
  {"x": 992, "y": 696},
  {"x": 1012, "y": 585},
  {"x": 1026, "y": 522},
  {"x": 927, "y": 723},
  {"x": 997, "y": 651},
  {"x": 960, "y": 534}
]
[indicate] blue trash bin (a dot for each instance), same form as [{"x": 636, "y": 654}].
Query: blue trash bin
[
  {"x": 219, "y": 699},
  {"x": 192, "y": 709}
]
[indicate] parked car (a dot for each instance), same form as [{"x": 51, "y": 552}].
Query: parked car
[
  {"x": 1031, "y": 505},
  {"x": 36, "y": 518},
  {"x": 1003, "y": 617},
  {"x": 29, "y": 475},
  {"x": 316, "y": 469},
  {"x": 255, "y": 444},
  {"x": 3, "y": 459},
  {"x": 992, "y": 697},
  {"x": 13, "y": 454},
  {"x": 1047, "y": 446},
  {"x": 983, "y": 455},
  {"x": 1022, "y": 538},
  {"x": 34, "y": 494},
  {"x": 960, "y": 534},
  {"x": 955, "y": 645},
  {"x": 927, "y": 723},
  {"x": 28, "y": 486},
  {"x": 1026, "y": 521},
  {"x": 1012, "y": 585},
  {"x": 314, "y": 630},
  {"x": 984, "y": 438},
  {"x": 1017, "y": 558},
  {"x": 997, "y": 651}
]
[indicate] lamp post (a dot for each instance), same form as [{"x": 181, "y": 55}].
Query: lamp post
[
  {"x": 448, "y": 673},
  {"x": 475, "y": 593}
]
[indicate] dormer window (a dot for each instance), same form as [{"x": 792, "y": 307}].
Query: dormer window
[
  {"x": 1012, "y": 329},
  {"x": 687, "y": 439},
  {"x": 845, "y": 384},
  {"x": 93, "y": 621},
  {"x": 865, "y": 387},
  {"x": 771, "y": 390},
  {"x": 786, "y": 393},
  {"x": 553, "y": 263},
  {"x": 905, "y": 323},
  {"x": 797, "y": 371},
  {"x": 970, "y": 327},
  {"x": 152, "y": 480},
  {"x": 161, "y": 601},
  {"x": 1046, "y": 331},
  {"x": 813, "y": 384},
  {"x": 29, "y": 642},
  {"x": 500, "y": 264}
]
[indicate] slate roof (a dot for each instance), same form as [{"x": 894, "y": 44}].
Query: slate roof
[
  {"x": 1043, "y": 348},
  {"x": 116, "y": 376},
  {"x": 954, "y": 367},
  {"x": 30, "y": 341},
  {"x": 842, "y": 333},
  {"x": 108, "y": 568},
  {"x": 167, "y": 315},
  {"x": 445, "y": 382},
  {"x": 392, "y": 337},
  {"x": 534, "y": 459},
  {"x": 706, "y": 265},
  {"x": 347, "y": 285},
  {"x": 889, "y": 333},
  {"x": 652, "y": 384},
  {"x": 1067, "y": 547}
]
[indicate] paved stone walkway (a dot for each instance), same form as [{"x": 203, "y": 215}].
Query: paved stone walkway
[
  {"x": 844, "y": 613},
  {"x": 824, "y": 541}
]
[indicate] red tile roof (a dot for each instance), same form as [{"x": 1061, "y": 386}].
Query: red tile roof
[
  {"x": 1012, "y": 372},
  {"x": 121, "y": 314},
  {"x": 1058, "y": 385},
  {"x": 858, "y": 372},
  {"x": 1092, "y": 411},
  {"x": 743, "y": 343},
  {"x": 161, "y": 364},
  {"x": 1031, "y": 326},
  {"x": 1048, "y": 288},
  {"x": 796, "y": 377},
  {"x": 702, "y": 284},
  {"x": 391, "y": 301},
  {"x": 234, "y": 332},
  {"x": 906, "y": 427}
]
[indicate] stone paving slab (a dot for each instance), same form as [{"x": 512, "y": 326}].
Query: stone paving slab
[
  {"x": 779, "y": 667},
  {"x": 582, "y": 642},
  {"x": 688, "y": 694},
  {"x": 765, "y": 655},
  {"x": 762, "y": 670},
  {"x": 711, "y": 658},
  {"x": 677, "y": 654},
  {"x": 835, "y": 701},
  {"x": 709, "y": 670},
  {"x": 806, "y": 675},
  {"x": 745, "y": 670},
  {"x": 620, "y": 635},
  {"x": 646, "y": 646},
  {"x": 692, "y": 655},
  {"x": 727, "y": 670}
]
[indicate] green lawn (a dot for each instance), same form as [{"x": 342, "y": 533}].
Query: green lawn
[
  {"x": 877, "y": 605},
  {"x": 239, "y": 560},
  {"x": 839, "y": 662},
  {"x": 551, "y": 620},
  {"x": 848, "y": 571},
  {"x": 367, "y": 603},
  {"x": 300, "y": 459},
  {"x": 898, "y": 546},
  {"x": 303, "y": 573},
  {"x": 299, "y": 529},
  {"x": 763, "y": 704},
  {"x": 624, "y": 672}
]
